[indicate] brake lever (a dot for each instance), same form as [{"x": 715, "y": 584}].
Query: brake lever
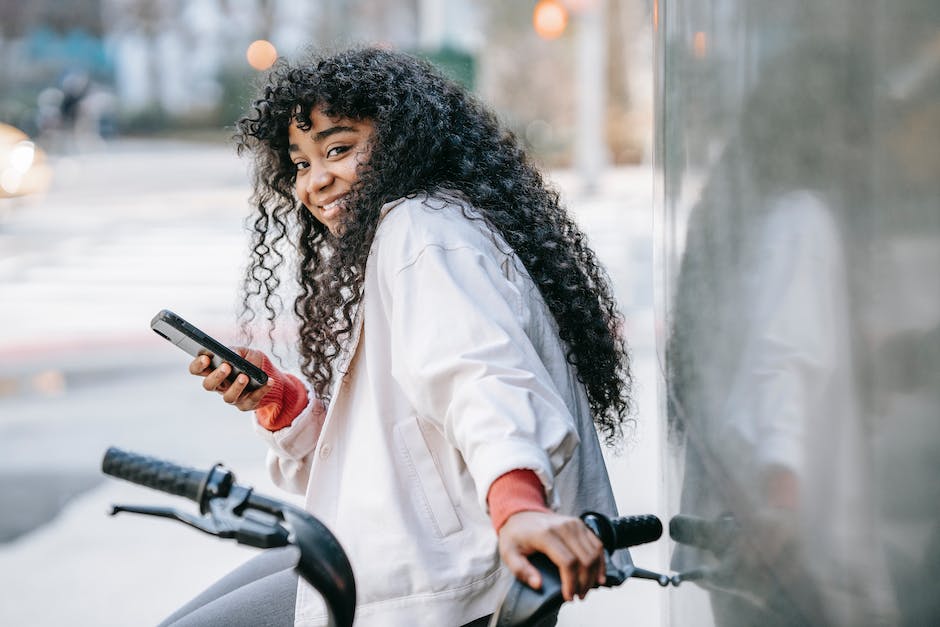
[
  {"x": 202, "y": 523},
  {"x": 227, "y": 518},
  {"x": 640, "y": 573}
]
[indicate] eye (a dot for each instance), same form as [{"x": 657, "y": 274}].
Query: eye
[
  {"x": 301, "y": 165},
  {"x": 335, "y": 151}
]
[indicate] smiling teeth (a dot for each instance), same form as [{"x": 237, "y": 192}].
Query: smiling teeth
[{"x": 331, "y": 205}]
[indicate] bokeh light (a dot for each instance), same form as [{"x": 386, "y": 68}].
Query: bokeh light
[
  {"x": 261, "y": 54},
  {"x": 700, "y": 45},
  {"x": 23, "y": 168},
  {"x": 550, "y": 19}
]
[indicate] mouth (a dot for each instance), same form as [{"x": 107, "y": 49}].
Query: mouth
[{"x": 333, "y": 207}]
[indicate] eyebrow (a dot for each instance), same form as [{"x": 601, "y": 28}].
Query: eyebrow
[
  {"x": 331, "y": 131},
  {"x": 319, "y": 137}
]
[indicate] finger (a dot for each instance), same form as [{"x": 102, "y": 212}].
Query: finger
[
  {"x": 601, "y": 571},
  {"x": 601, "y": 564},
  {"x": 215, "y": 379},
  {"x": 584, "y": 572},
  {"x": 590, "y": 553},
  {"x": 571, "y": 550},
  {"x": 588, "y": 556},
  {"x": 235, "y": 390},
  {"x": 253, "y": 356},
  {"x": 199, "y": 366},
  {"x": 567, "y": 564},
  {"x": 522, "y": 569},
  {"x": 254, "y": 397}
]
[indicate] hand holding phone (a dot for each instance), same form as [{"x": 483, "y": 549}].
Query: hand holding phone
[
  {"x": 235, "y": 393},
  {"x": 193, "y": 341}
]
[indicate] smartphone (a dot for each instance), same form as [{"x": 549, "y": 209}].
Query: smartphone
[{"x": 196, "y": 343}]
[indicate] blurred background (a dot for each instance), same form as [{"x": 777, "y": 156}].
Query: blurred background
[{"x": 760, "y": 178}]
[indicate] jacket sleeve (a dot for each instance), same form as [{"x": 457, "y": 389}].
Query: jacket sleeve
[
  {"x": 462, "y": 356},
  {"x": 289, "y": 448}
]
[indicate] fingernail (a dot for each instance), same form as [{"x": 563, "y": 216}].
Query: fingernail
[
  {"x": 242, "y": 378},
  {"x": 224, "y": 368}
]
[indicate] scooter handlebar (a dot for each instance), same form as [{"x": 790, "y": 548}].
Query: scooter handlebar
[
  {"x": 624, "y": 531},
  {"x": 156, "y": 474}
]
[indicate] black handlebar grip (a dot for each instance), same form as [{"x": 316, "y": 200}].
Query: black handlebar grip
[
  {"x": 633, "y": 530},
  {"x": 623, "y": 532},
  {"x": 154, "y": 473}
]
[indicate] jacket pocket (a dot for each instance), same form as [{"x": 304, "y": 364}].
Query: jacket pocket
[{"x": 426, "y": 477}]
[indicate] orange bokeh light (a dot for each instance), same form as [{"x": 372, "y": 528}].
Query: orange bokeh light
[
  {"x": 550, "y": 19},
  {"x": 261, "y": 54},
  {"x": 700, "y": 44}
]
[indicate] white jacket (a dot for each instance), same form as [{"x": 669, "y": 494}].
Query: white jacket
[{"x": 454, "y": 376}]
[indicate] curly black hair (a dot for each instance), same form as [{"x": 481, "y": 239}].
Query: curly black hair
[{"x": 431, "y": 136}]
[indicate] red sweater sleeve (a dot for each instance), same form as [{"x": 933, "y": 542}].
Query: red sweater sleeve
[
  {"x": 283, "y": 402},
  {"x": 516, "y": 491}
]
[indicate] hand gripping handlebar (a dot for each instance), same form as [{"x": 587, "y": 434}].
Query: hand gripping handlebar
[
  {"x": 229, "y": 510},
  {"x": 522, "y": 606}
]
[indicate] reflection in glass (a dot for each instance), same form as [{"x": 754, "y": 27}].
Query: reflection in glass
[{"x": 790, "y": 209}]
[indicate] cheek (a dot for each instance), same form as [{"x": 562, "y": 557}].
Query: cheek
[
  {"x": 351, "y": 170},
  {"x": 299, "y": 191}
]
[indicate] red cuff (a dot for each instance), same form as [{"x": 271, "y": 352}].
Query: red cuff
[
  {"x": 283, "y": 402},
  {"x": 516, "y": 491}
]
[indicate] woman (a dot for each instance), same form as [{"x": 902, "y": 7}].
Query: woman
[{"x": 456, "y": 334}]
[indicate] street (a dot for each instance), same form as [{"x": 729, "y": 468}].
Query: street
[{"x": 142, "y": 226}]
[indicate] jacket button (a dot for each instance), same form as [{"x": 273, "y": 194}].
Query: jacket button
[{"x": 325, "y": 451}]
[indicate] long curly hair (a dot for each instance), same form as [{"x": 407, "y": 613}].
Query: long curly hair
[{"x": 430, "y": 136}]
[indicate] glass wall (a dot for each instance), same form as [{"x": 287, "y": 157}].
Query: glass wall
[{"x": 798, "y": 278}]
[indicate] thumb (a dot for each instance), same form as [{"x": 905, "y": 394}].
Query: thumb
[
  {"x": 523, "y": 569},
  {"x": 254, "y": 356}
]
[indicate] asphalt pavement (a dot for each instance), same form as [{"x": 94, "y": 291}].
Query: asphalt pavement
[{"x": 139, "y": 226}]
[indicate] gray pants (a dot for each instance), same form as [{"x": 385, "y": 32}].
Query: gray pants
[{"x": 260, "y": 592}]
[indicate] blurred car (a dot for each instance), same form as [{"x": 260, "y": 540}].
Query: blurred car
[{"x": 23, "y": 166}]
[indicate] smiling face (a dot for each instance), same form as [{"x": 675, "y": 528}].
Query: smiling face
[{"x": 327, "y": 157}]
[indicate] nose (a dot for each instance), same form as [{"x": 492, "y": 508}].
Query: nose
[{"x": 318, "y": 179}]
